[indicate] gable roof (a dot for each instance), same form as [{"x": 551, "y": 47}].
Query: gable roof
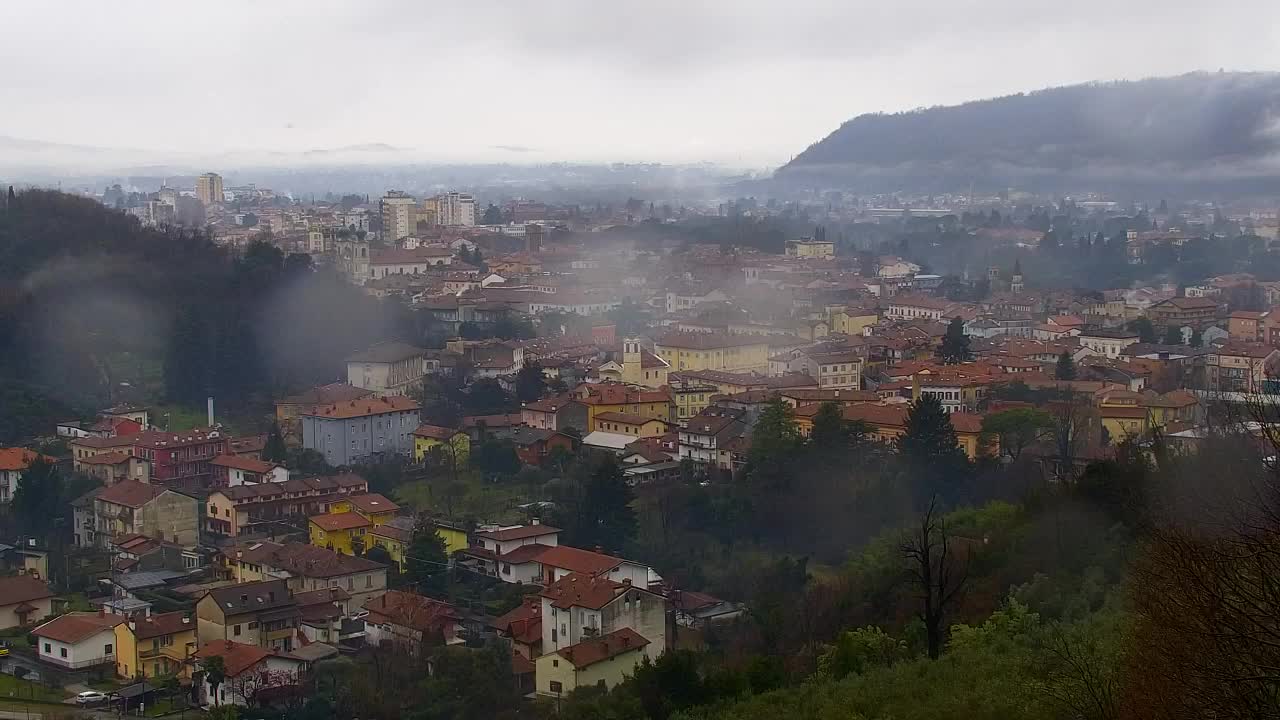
[
  {"x": 387, "y": 352},
  {"x": 519, "y": 532},
  {"x": 76, "y": 626},
  {"x": 578, "y": 560},
  {"x": 17, "y": 589},
  {"x": 236, "y": 462},
  {"x": 364, "y": 407},
  {"x": 333, "y": 522},
  {"x": 253, "y": 596},
  {"x": 411, "y": 610},
  {"x": 20, "y": 458},
  {"x": 372, "y": 503},
  {"x": 597, "y": 649},
  {"x": 582, "y": 590},
  {"x": 131, "y": 493},
  {"x": 162, "y": 624},
  {"x": 236, "y": 657},
  {"x": 437, "y": 432}
]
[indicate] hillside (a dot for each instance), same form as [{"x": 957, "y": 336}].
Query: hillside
[{"x": 1192, "y": 130}]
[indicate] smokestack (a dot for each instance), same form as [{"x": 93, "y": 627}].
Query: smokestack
[{"x": 210, "y": 411}]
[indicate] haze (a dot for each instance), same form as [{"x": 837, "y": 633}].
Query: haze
[{"x": 740, "y": 83}]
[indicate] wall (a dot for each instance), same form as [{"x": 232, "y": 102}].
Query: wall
[
  {"x": 9, "y": 618},
  {"x": 552, "y": 667},
  {"x": 87, "y": 652},
  {"x": 173, "y": 516}
]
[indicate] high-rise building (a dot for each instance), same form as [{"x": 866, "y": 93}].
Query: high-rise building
[
  {"x": 209, "y": 188},
  {"x": 456, "y": 209},
  {"x": 399, "y": 215}
]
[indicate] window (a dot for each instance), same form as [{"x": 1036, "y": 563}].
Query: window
[
  {"x": 555, "y": 684},
  {"x": 63, "y": 651},
  {"x": 48, "y": 650},
  {"x": 368, "y": 581},
  {"x": 236, "y": 632},
  {"x": 106, "y": 649},
  {"x": 555, "y": 663},
  {"x": 351, "y": 583},
  {"x": 253, "y": 625},
  {"x": 554, "y": 635}
]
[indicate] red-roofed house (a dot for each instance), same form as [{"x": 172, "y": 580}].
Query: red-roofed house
[
  {"x": 14, "y": 462},
  {"x": 578, "y": 607},
  {"x": 132, "y": 507},
  {"x": 252, "y": 673},
  {"x": 23, "y": 599},
  {"x": 78, "y": 639},
  {"x": 402, "y": 618},
  {"x": 599, "y": 660},
  {"x": 233, "y": 470}
]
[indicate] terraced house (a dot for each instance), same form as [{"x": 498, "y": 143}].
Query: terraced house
[
  {"x": 255, "y": 613},
  {"x": 156, "y": 645},
  {"x": 234, "y": 511}
]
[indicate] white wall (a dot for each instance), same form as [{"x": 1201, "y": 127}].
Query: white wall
[{"x": 90, "y": 651}]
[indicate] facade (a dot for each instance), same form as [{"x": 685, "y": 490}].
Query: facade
[
  {"x": 250, "y": 671},
  {"x": 182, "y": 460},
  {"x": 705, "y": 438},
  {"x": 420, "y": 260},
  {"x": 627, "y": 424},
  {"x": 554, "y": 413},
  {"x": 1107, "y": 343},
  {"x": 1240, "y": 367},
  {"x": 133, "y": 508},
  {"x": 456, "y": 209},
  {"x": 14, "y": 462},
  {"x": 306, "y": 567},
  {"x": 262, "y": 614},
  {"x": 209, "y": 189},
  {"x": 347, "y": 432},
  {"x": 246, "y": 508},
  {"x": 615, "y": 397},
  {"x": 454, "y": 446},
  {"x": 1183, "y": 311},
  {"x": 233, "y": 470},
  {"x": 399, "y": 215},
  {"x": 714, "y": 351},
  {"x": 390, "y": 368},
  {"x": 406, "y": 619},
  {"x": 578, "y": 607},
  {"x": 811, "y": 248},
  {"x": 598, "y": 661}
]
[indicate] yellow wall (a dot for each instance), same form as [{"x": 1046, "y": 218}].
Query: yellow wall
[
  {"x": 129, "y": 652},
  {"x": 650, "y": 428},
  {"x": 551, "y": 667},
  {"x": 461, "y": 447},
  {"x": 376, "y": 518},
  {"x": 454, "y": 540},
  {"x": 656, "y": 410},
  {"x": 734, "y": 359},
  {"x": 847, "y": 323},
  {"x": 340, "y": 540},
  {"x": 1120, "y": 428},
  {"x": 395, "y": 549}
]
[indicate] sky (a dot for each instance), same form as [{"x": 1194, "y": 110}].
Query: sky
[{"x": 746, "y": 83}]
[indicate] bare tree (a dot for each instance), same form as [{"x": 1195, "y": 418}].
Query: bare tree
[{"x": 938, "y": 575}]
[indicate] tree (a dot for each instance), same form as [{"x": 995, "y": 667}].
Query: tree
[
  {"x": 1173, "y": 335},
  {"x": 1066, "y": 367},
  {"x": 1146, "y": 331},
  {"x": 426, "y": 561},
  {"x": 497, "y": 458},
  {"x": 38, "y": 499},
  {"x": 605, "y": 517},
  {"x": 530, "y": 382},
  {"x": 930, "y": 448},
  {"x": 830, "y": 430},
  {"x": 492, "y": 215},
  {"x": 215, "y": 673},
  {"x": 774, "y": 442},
  {"x": 1017, "y": 429},
  {"x": 1197, "y": 338},
  {"x": 955, "y": 344},
  {"x": 188, "y": 373},
  {"x": 937, "y": 576},
  {"x": 274, "y": 450}
]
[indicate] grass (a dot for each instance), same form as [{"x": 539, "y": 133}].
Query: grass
[
  {"x": 76, "y": 602},
  {"x": 166, "y": 705},
  {"x": 106, "y": 684},
  {"x": 15, "y": 689},
  {"x": 46, "y": 712},
  {"x": 472, "y": 498}
]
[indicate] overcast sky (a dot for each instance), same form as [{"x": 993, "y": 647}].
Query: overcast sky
[{"x": 743, "y": 82}]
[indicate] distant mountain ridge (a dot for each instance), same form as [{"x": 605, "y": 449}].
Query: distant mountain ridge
[{"x": 1199, "y": 129}]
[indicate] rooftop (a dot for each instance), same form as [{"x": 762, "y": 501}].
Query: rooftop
[
  {"x": 364, "y": 408},
  {"x": 597, "y": 649}
]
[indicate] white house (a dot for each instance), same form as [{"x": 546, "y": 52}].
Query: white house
[
  {"x": 14, "y": 462},
  {"x": 250, "y": 670},
  {"x": 578, "y": 607},
  {"x": 1107, "y": 343},
  {"x": 78, "y": 640}
]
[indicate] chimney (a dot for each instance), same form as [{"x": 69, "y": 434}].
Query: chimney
[
  {"x": 186, "y": 620},
  {"x": 536, "y": 521},
  {"x": 210, "y": 410},
  {"x": 102, "y": 611}
]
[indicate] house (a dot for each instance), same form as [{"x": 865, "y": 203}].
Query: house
[
  {"x": 510, "y": 553},
  {"x": 1247, "y": 326},
  {"x": 441, "y": 444},
  {"x": 886, "y": 422},
  {"x": 251, "y": 673},
  {"x": 341, "y": 532},
  {"x": 598, "y": 661},
  {"x": 322, "y": 612},
  {"x": 112, "y": 467},
  {"x": 14, "y": 462},
  {"x": 407, "y": 620},
  {"x": 559, "y": 561},
  {"x": 534, "y": 445},
  {"x": 695, "y": 609},
  {"x": 390, "y": 368},
  {"x": 616, "y": 397},
  {"x": 489, "y": 427},
  {"x": 156, "y": 645},
  {"x": 637, "y": 366},
  {"x": 374, "y": 507},
  {"x": 627, "y": 424},
  {"x": 233, "y": 470},
  {"x": 1107, "y": 342},
  {"x": 78, "y": 640},
  {"x": 523, "y": 627},
  {"x": 912, "y": 307},
  {"x": 307, "y": 567},
  {"x": 261, "y": 613},
  {"x": 705, "y": 438},
  {"x": 580, "y": 606},
  {"x": 835, "y": 369},
  {"x": 247, "y": 508},
  {"x": 134, "y": 508},
  {"x": 554, "y": 413},
  {"x": 290, "y": 408},
  {"x": 359, "y": 429},
  {"x": 608, "y": 442},
  {"x": 1240, "y": 367},
  {"x": 24, "y": 599},
  {"x": 181, "y": 460},
  {"x": 713, "y": 351},
  {"x": 1183, "y": 311},
  {"x": 416, "y": 261},
  {"x": 395, "y": 537}
]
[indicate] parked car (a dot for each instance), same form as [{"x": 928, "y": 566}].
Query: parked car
[{"x": 91, "y": 697}]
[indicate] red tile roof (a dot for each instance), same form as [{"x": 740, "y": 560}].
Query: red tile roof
[
  {"x": 364, "y": 407},
  {"x": 236, "y": 657},
  {"x": 163, "y": 624},
  {"x": 437, "y": 432},
  {"x": 412, "y": 611},
  {"x": 582, "y": 590},
  {"x": 260, "y": 467},
  {"x": 76, "y": 626},
  {"x": 22, "y": 588},
  {"x": 518, "y": 533},
  {"x": 131, "y": 493},
  {"x": 19, "y": 458},
  {"x": 333, "y": 522},
  {"x": 372, "y": 503},
  {"x": 598, "y": 649}
]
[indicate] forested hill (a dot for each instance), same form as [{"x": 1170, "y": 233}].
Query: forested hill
[
  {"x": 96, "y": 309},
  {"x": 1194, "y": 130}
]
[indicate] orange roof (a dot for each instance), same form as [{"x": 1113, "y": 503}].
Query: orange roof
[
  {"x": 598, "y": 649},
  {"x": 76, "y": 626},
  {"x": 364, "y": 407},
  {"x": 437, "y": 432},
  {"x": 582, "y": 590},
  {"x": 17, "y": 589},
  {"x": 130, "y": 493},
  {"x": 236, "y": 657},
  {"x": 333, "y": 522},
  {"x": 236, "y": 462},
  {"x": 20, "y": 458},
  {"x": 372, "y": 503},
  {"x": 578, "y": 560}
]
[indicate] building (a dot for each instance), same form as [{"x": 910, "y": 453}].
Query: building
[
  {"x": 705, "y": 438},
  {"x": 289, "y": 409},
  {"x": 418, "y": 261},
  {"x": 887, "y": 422},
  {"x": 134, "y": 508},
  {"x": 834, "y": 370},
  {"x": 182, "y": 460},
  {"x": 343, "y": 533},
  {"x": 1240, "y": 367},
  {"x": 78, "y": 640},
  {"x": 916, "y": 307},
  {"x": 534, "y": 445},
  {"x": 1247, "y": 326},
  {"x": 443, "y": 445},
  {"x": 396, "y": 536},
  {"x": 209, "y": 189},
  {"x": 347, "y": 432},
  {"x": 233, "y": 470},
  {"x": 554, "y": 413},
  {"x": 1107, "y": 342},
  {"x": 714, "y": 351},
  {"x": 14, "y": 462},
  {"x": 637, "y": 367},
  {"x": 579, "y": 606},
  {"x": 598, "y": 661},
  {"x": 157, "y": 645},
  {"x": 1183, "y": 311},
  {"x": 249, "y": 508},
  {"x": 389, "y": 368},
  {"x": 250, "y": 673},
  {"x": 406, "y": 620},
  {"x": 615, "y": 397},
  {"x": 811, "y": 248},
  {"x": 307, "y": 567},
  {"x": 399, "y": 214},
  {"x": 456, "y": 209},
  {"x": 262, "y": 614},
  {"x": 627, "y": 424},
  {"x": 24, "y": 599}
]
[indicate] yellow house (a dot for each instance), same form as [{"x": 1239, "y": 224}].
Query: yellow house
[
  {"x": 605, "y": 661},
  {"x": 373, "y": 507},
  {"x": 455, "y": 446},
  {"x": 714, "y": 351},
  {"x": 603, "y": 398},
  {"x": 396, "y": 537},
  {"x": 627, "y": 424},
  {"x": 853, "y": 320},
  {"x": 641, "y": 367},
  {"x": 156, "y": 646},
  {"x": 340, "y": 532}
]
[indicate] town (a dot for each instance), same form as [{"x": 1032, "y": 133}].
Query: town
[{"x": 596, "y": 441}]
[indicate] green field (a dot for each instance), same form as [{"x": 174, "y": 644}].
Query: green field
[
  {"x": 14, "y": 689},
  {"x": 471, "y": 497}
]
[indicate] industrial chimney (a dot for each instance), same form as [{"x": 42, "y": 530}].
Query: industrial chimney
[{"x": 210, "y": 424}]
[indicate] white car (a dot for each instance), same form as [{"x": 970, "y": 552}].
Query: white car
[{"x": 90, "y": 697}]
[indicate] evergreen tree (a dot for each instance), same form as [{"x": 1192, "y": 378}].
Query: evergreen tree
[
  {"x": 275, "y": 450},
  {"x": 955, "y": 344},
  {"x": 38, "y": 498},
  {"x": 1146, "y": 331},
  {"x": 1066, "y": 367},
  {"x": 1173, "y": 335},
  {"x": 426, "y": 562},
  {"x": 605, "y": 516},
  {"x": 830, "y": 430},
  {"x": 774, "y": 441},
  {"x": 930, "y": 448},
  {"x": 187, "y": 371},
  {"x": 1197, "y": 338},
  {"x": 530, "y": 382}
]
